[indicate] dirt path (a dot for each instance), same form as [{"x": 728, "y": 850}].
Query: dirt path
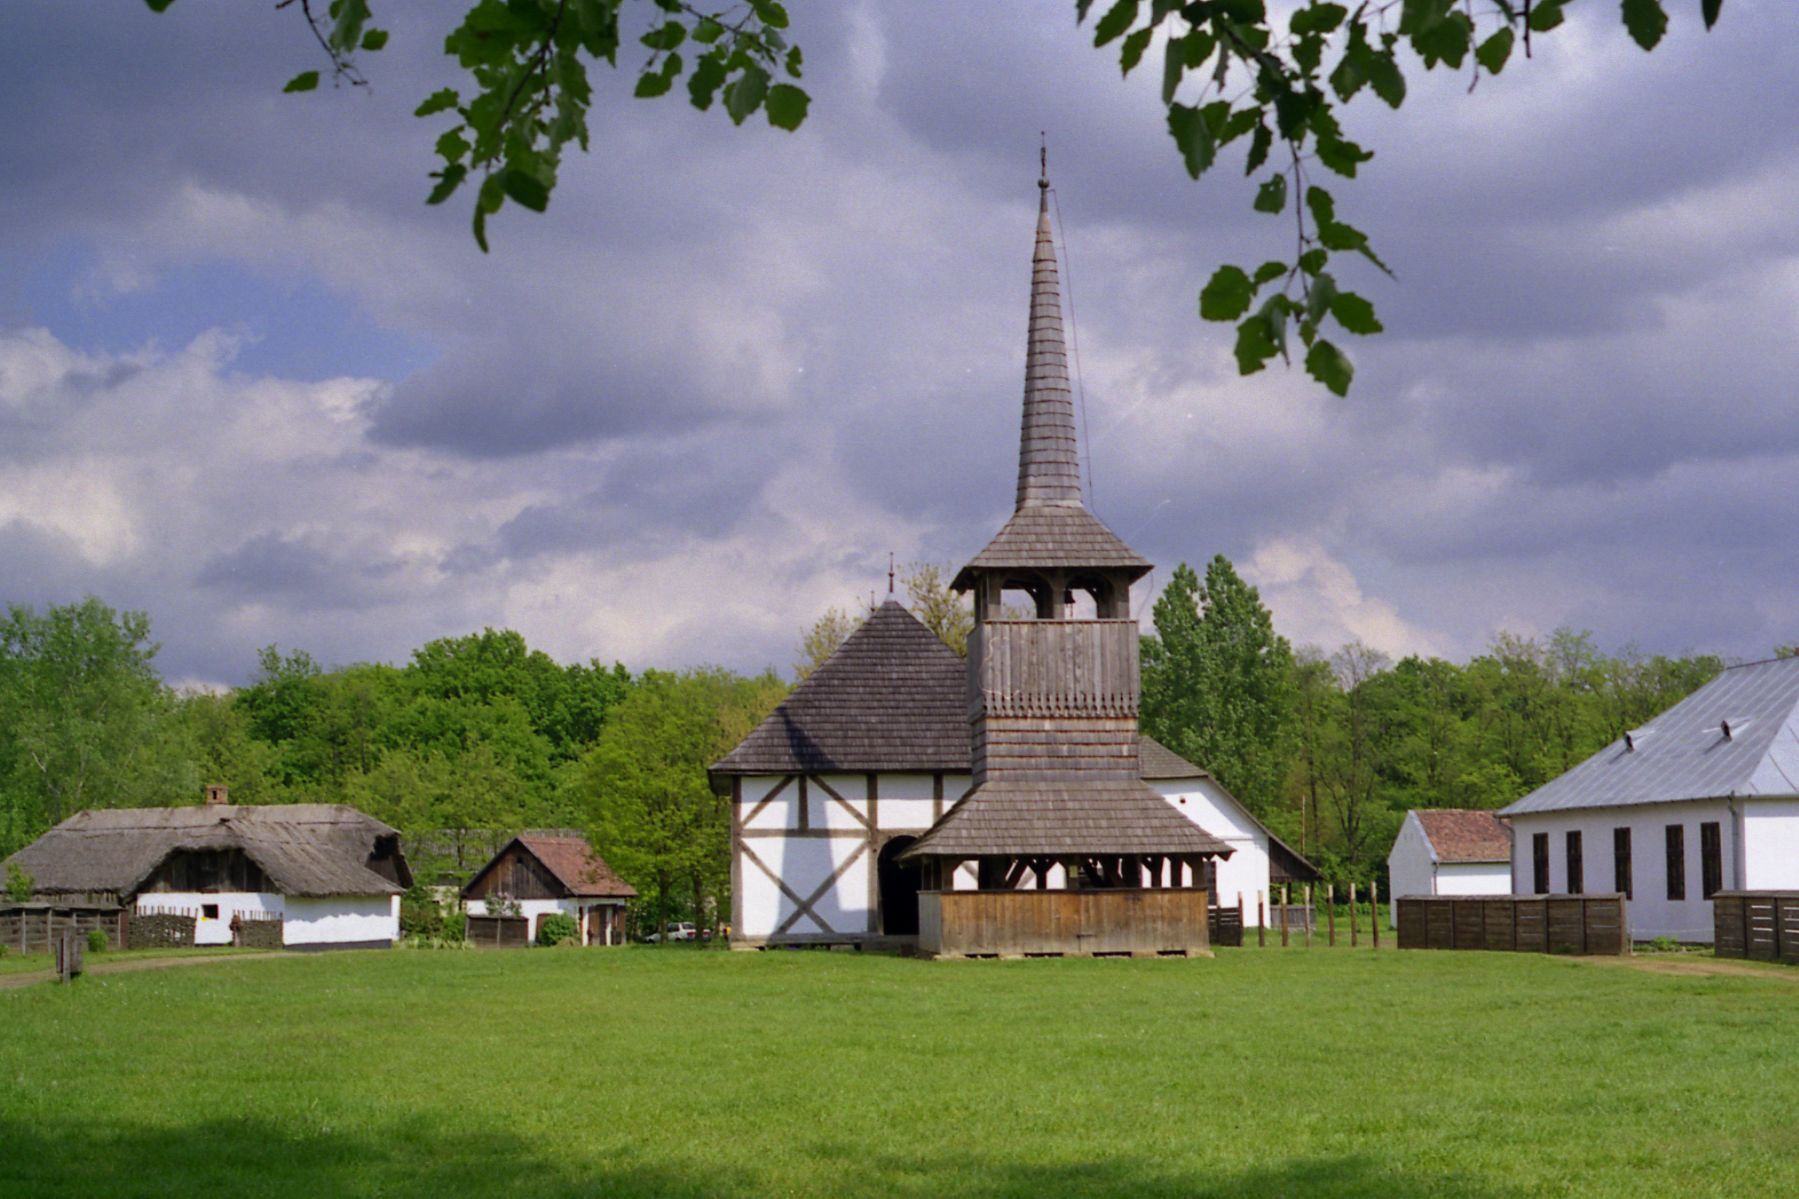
[
  {"x": 9, "y": 982},
  {"x": 1657, "y": 964}
]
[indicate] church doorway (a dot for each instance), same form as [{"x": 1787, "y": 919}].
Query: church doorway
[{"x": 899, "y": 889}]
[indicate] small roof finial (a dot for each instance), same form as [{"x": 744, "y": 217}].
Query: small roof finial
[
  {"x": 889, "y": 572},
  {"x": 1043, "y": 159}
]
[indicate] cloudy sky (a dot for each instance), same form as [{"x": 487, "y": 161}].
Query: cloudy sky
[{"x": 251, "y": 384}]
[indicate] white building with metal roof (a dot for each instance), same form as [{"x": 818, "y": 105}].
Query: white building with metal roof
[{"x": 1703, "y": 798}]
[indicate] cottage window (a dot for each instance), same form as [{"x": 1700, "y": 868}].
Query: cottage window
[
  {"x": 209, "y": 911},
  {"x": 1539, "y": 853},
  {"x": 1711, "y": 860},
  {"x": 1575, "y": 870},
  {"x": 1621, "y": 861},
  {"x": 1677, "y": 861}
]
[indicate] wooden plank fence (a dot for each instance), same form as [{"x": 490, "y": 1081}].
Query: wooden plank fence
[
  {"x": 1759, "y": 925},
  {"x": 1576, "y": 924},
  {"x": 499, "y": 932}
]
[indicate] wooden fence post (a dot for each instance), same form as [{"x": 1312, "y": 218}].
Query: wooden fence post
[
  {"x": 1261, "y": 923},
  {"x": 1239, "y": 919},
  {"x": 1330, "y": 911},
  {"x": 1374, "y": 911},
  {"x": 1285, "y": 907},
  {"x": 1353, "y": 930},
  {"x": 1311, "y": 915}
]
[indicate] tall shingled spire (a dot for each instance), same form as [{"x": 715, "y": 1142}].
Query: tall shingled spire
[{"x": 1049, "y": 467}]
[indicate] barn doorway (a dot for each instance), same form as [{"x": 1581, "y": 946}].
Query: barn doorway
[{"x": 899, "y": 889}]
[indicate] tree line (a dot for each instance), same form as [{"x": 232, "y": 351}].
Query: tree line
[
  {"x": 481, "y": 735},
  {"x": 471, "y": 737}
]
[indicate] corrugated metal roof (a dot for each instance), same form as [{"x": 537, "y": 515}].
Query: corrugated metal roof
[{"x": 1685, "y": 754}]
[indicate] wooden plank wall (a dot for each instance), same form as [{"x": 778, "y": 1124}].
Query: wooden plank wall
[
  {"x": 1124, "y": 921},
  {"x": 499, "y": 932},
  {"x": 1577, "y": 924},
  {"x": 1760, "y": 925}
]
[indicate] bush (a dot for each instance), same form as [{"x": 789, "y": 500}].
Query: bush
[
  {"x": 420, "y": 914},
  {"x": 558, "y": 928},
  {"x": 1664, "y": 944},
  {"x": 455, "y": 926},
  {"x": 2, "y": 949},
  {"x": 96, "y": 941}
]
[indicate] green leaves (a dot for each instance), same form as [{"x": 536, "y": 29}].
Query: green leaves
[
  {"x": 530, "y": 96},
  {"x": 1193, "y": 135},
  {"x": 438, "y": 101},
  {"x": 1708, "y": 8},
  {"x": 1227, "y": 295},
  {"x": 1354, "y": 313},
  {"x": 1645, "y": 21},
  {"x": 745, "y": 93},
  {"x": 1272, "y": 195},
  {"x": 524, "y": 188},
  {"x": 1326, "y": 363},
  {"x": 787, "y": 106},
  {"x": 1492, "y": 53},
  {"x": 1120, "y": 17},
  {"x": 305, "y": 81}
]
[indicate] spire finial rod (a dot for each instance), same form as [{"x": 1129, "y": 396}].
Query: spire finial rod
[
  {"x": 889, "y": 572},
  {"x": 1043, "y": 159}
]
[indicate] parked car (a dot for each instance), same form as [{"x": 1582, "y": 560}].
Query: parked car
[{"x": 680, "y": 930}]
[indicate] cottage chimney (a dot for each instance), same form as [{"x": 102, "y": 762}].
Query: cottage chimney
[{"x": 216, "y": 794}]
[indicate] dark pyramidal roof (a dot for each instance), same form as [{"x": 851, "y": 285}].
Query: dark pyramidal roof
[
  {"x": 304, "y": 849},
  {"x": 891, "y": 698},
  {"x": 570, "y": 860},
  {"x": 1051, "y": 527}
]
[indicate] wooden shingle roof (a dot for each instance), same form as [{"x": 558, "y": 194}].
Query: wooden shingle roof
[
  {"x": 1050, "y": 527},
  {"x": 893, "y": 697},
  {"x": 1064, "y": 818}
]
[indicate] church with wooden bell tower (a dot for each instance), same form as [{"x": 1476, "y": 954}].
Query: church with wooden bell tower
[{"x": 1006, "y": 804}]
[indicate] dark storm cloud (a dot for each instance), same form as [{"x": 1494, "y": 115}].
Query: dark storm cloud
[{"x": 736, "y": 366}]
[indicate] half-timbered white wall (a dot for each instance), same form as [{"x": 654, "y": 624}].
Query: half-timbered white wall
[
  {"x": 806, "y": 847},
  {"x": 1212, "y": 808}
]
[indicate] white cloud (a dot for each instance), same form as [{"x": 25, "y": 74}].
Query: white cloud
[{"x": 1316, "y": 600}]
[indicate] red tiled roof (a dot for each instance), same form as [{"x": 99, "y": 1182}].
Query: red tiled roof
[
  {"x": 1465, "y": 835},
  {"x": 576, "y": 866}
]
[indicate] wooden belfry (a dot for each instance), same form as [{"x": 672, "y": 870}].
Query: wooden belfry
[{"x": 1059, "y": 805}]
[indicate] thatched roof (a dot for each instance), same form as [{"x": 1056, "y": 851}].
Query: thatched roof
[{"x": 304, "y": 849}]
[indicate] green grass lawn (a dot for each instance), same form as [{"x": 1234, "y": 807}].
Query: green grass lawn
[
  {"x": 14, "y": 962},
  {"x": 645, "y": 1072}
]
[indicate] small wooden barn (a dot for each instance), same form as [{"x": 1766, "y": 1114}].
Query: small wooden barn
[
  {"x": 1703, "y": 798},
  {"x": 327, "y": 875},
  {"x": 1449, "y": 851},
  {"x": 537, "y": 874}
]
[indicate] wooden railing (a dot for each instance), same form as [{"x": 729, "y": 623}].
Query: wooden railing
[
  {"x": 1761, "y": 925},
  {"x": 1113, "y": 921},
  {"x": 1577, "y": 924}
]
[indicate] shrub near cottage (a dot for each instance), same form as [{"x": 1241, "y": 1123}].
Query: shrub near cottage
[
  {"x": 558, "y": 928},
  {"x": 96, "y": 941}
]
